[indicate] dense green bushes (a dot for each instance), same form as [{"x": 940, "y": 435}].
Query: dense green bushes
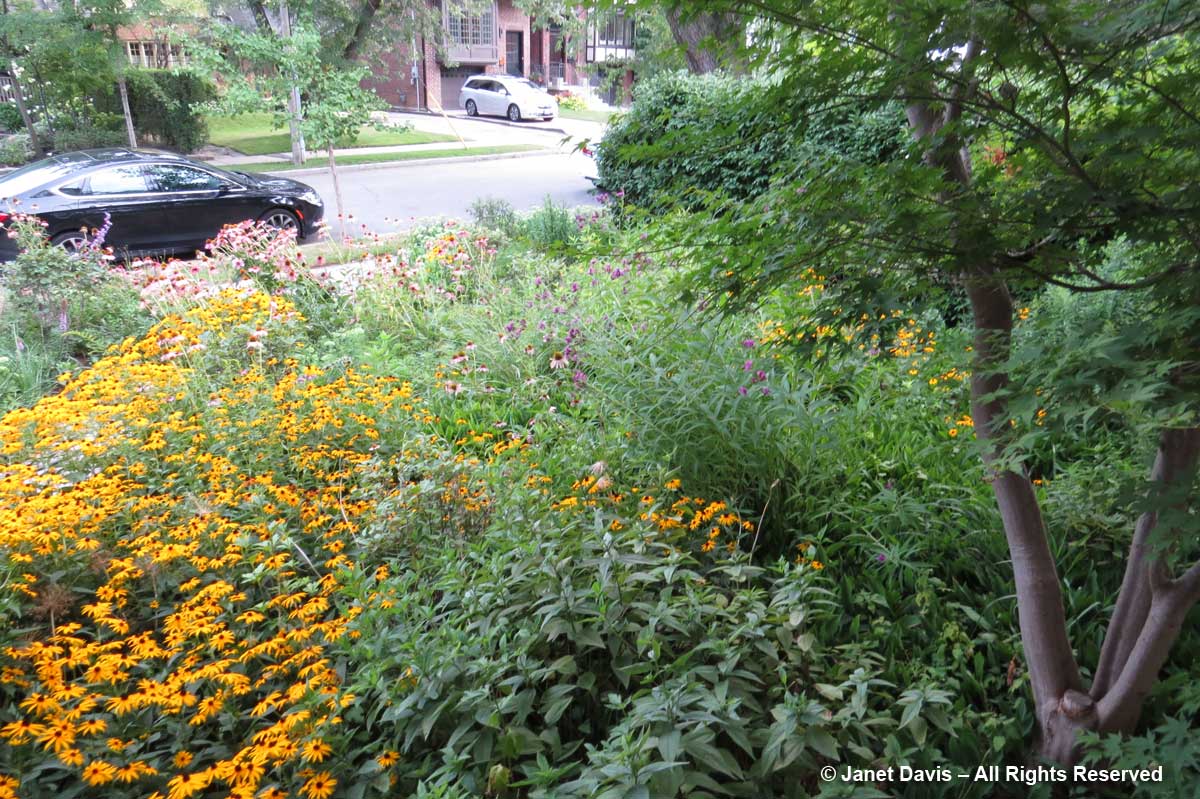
[
  {"x": 163, "y": 106},
  {"x": 686, "y": 132},
  {"x": 687, "y": 135}
]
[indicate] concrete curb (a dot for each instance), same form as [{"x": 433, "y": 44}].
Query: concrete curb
[{"x": 463, "y": 159}]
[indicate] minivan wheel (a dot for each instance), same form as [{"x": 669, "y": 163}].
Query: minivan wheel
[
  {"x": 472, "y": 109},
  {"x": 70, "y": 240},
  {"x": 514, "y": 113}
]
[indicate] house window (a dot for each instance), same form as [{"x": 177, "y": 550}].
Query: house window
[
  {"x": 472, "y": 29},
  {"x": 611, "y": 38},
  {"x": 156, "y": 54}
]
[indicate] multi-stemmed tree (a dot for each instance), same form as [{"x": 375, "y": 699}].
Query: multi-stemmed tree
[{"x": 1053, "y": 144}]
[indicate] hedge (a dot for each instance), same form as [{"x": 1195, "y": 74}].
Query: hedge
[
  {"x": 163, "y": 104},
  {"x": 686, "y": 134}
]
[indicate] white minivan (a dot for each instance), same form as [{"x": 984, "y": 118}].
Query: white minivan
[{"x": 506, "y": 96}]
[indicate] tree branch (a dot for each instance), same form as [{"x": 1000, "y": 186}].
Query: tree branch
[{"x": 362, "y": 26}]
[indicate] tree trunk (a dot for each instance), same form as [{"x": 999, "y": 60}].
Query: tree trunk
[
  {"x": 337, "y": 192},
  {"x": 362, "y": 26},
  {"x": 261, "y": 21},
  {"x": 26, "y": 118},
  {"x": 710, "y": 40},
  {"x": 123, "y": 89},
  {"x": 1151, "y": 606}
]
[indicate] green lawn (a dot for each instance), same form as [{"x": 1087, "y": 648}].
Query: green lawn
[
  {"x": 379, "y": 158},
  {"x": 587, "y": 114},
  {"x": 256, "y": 134}
]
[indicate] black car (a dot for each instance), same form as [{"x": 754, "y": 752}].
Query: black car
[{"x": 156, "y": 201}]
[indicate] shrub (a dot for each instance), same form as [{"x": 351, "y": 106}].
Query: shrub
[
  {"x": 86, "y": 137},
  {"x": 571, "y": 102},
  {"x": 497, "y": 214},
  {"x": 15, "y": 149},
  {"x": 687, "y": 135},
  {"x": 550, "y": 226},
  {"x": 10, "y": 117},
  {"x": 164, "y": 105},
  {"x": 687, "y": 132}
]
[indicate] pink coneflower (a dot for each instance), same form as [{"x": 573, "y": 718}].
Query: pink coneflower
[
  {"x": 558, "y": 360},
  {"x": 453, "y": 388}
]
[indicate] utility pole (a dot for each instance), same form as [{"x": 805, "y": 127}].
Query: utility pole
[{"x": 298, "y": 154}]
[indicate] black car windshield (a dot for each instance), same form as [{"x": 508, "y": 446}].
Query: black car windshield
[{"x": 36, "y": 174}]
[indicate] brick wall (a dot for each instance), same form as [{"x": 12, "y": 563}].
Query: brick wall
[{"x": 394, "y": 82}]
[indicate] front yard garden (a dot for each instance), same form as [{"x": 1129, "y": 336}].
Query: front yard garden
[{"x": 490, "y": 515}]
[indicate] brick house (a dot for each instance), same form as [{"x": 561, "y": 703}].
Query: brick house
[{"x": 499, "y": 40}]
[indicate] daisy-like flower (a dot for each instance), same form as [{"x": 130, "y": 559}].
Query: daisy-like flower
[
  {"x": 315, "y": 751},
  {"x": 558, "y": 360},
  {"x": 99, "y": 772},
  {"x": 320, "y": 786}
]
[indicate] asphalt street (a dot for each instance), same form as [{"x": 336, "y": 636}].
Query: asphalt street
[{"x": 396, "y": 198}]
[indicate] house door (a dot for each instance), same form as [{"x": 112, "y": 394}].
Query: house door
[{"x": 514, "y": 56}]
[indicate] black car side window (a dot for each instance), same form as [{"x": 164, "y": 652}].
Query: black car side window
[
  {"x": 118, "y": 180},
  {"x": 170, "y": 177}
]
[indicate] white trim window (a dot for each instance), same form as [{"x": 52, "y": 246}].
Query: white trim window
[
  {"x": 472, "y": 29},
  {"x": 155, "y": 55}
]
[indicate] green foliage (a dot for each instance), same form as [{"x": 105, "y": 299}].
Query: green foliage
[
  {"x": 16, "y": 149},
  {"x": 685, "y": 133},
  {"x": 261, "y": 69},
  {"x": 494, "y": 213},
  {"x": 44, "y": 279},
  {"x": 85, "y": 133},
  {"x": 59, "y": 309},
  {"x": 10, "y": 117},
  {"x": 550, "y": 227},
  {"x": 571, "y": 102},
  {"x": 166, "y": 106}
]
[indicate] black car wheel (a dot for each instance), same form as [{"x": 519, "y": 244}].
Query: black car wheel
[
  {"x": 70, "y": 240},
  {"x": 514, "y": 113},
  {"x": 472, "y": 109},
  {"x": 280, "y": 220}
]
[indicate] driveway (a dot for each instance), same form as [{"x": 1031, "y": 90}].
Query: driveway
[{"x": 389, "y": 199}]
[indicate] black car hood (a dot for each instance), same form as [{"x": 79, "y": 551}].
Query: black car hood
[{"x": 280, "y": 185}]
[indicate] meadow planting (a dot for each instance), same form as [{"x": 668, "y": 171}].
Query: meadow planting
[{"x": 495, "y": 515}]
